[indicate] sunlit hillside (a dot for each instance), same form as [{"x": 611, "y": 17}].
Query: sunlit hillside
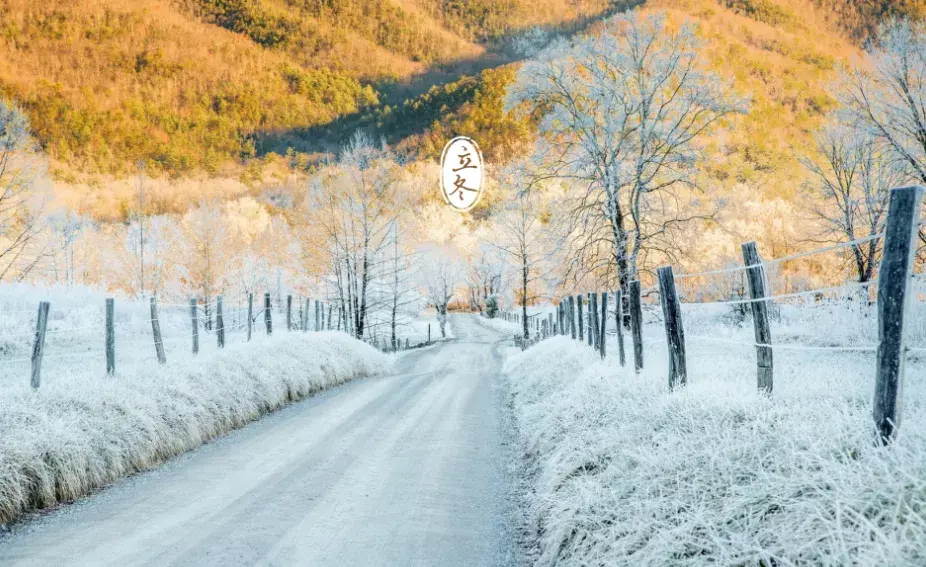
[{"x": 191, "y": 85}]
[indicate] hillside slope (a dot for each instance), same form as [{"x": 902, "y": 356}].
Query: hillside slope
[{"x": 195, "y": 84}]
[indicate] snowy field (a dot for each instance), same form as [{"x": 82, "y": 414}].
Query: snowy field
[
  {"x": 623, "y": 472},
  {"x": 82, "y": 428}
]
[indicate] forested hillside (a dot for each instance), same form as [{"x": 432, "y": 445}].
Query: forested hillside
[
  {"x": 194, "y": 84},
  {"x": 191, "y": 86}
]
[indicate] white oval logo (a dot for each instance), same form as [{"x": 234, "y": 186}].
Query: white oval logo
[{"x": 461, "y": 174}]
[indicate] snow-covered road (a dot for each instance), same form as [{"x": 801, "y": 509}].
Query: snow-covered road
[{"x": 404, "y": 470}]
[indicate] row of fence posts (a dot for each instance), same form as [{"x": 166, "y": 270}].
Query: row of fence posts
[
  {"x": 896, "y": 271},
  {"x": 41, "y": 326}
]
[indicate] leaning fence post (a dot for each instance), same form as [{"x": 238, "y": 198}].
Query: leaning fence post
[
  {"x": 755, "y": 272},
  {"x": 38, "y": 347},
  {"x": 156, "y": 331},
  {"x": 675, "y": 332},
  {"x": 110, "y": 336},
  {"x": 903, "y": 215},
  {"x": 219, "y": 323},
  {"x": 619, "y": 327},
  {"x": 636, "y": 323},
  {"x": 194, "y": 321},
  {"x": 268, "y": 319},
  {"x": 604, "y": 323}
]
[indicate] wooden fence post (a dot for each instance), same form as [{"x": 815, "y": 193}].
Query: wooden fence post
[
  {"x": 429, "y": 333},
  {"x": 194, "y": 323},
  {"x": 755, "y": 272},
  {"x": 604, "y": 323},
  {"x": 579, "y": 301},
  {"x": 619, "y": 326},
  {"x": 593, "y": 320},
  {"x": 636, "y": 324},
  {"x": 675, "y": 332},
  {"x": 903, "y": 214},
  {"x": 572, "y": 316},
  {"x": 219, "y": 323},
  {"x": 110, "y": 336},
  {"x": 289, "y": 312},
  {"x": 250, "y": 314},
  {"x": 156, "y": 331},
  {"x": 38, "y": 347},
  {"x": 268, "y": 319}
]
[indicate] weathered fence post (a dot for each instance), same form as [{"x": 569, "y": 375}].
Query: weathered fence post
[
  {"x": 194, "y": 323},
  {"x": 110, "y": 336},
  {"x": 604, "y": 323},
  {"x": 675, "y": 332},
  {"x": 156, "y": 331},
  {"x": 289, "y": 312},
  {"x": 619, "y": 327},
  {"x": 572, "y": 315},
  {"x": 579, "y": 301},
  {"x": 305, "y": 314},
  {"x": 636, "y": 324},
  {"x": 903, "y": 215},
  {"x": 755, "y": 273},
  {"x": 268, "y": 320},
  {"x": 429, "y": 333},
  {"x": 219, "y": 323},
  {"x": 38, "y": 347},
  {"x": 593, "y": 320},
  {"x": 250, "y": 314}
]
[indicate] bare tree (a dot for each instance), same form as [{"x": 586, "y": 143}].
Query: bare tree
[
  {"x": 623, "y": 111},
  {"x": 522, "y": 240},
  {"x": 442, "y": 272},
  {"x": 487, "y": 272},
  {"x": 139, "y": 219},
  {"x": 886, "y": 95},
  {"x": 851, "y": 179},
  {"x": 204, "y": 254},
  {"x": 355, "y": 205},
  {"x": 21, "y": 203}
]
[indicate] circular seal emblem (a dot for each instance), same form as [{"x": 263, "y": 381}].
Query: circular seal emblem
[{"x": 461, "y": 173}]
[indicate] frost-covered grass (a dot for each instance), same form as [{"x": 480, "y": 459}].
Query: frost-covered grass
[
  {"x": 625, "y": 472},
  {"x": 83, "y": 429}
]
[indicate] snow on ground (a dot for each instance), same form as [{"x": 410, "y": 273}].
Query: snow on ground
[
  {"x": 501, "y": 326},
  {"x": 406, "y": 469},
  {"x": 83, "y": 429},
  {"x": 623, "y": 472}
]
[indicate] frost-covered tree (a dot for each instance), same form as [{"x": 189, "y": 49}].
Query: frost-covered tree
[
  {"x": 355, "y": 206},
  {"x": 852, "y": 176},
  {"x": 526, "y": 246},
  {"x": 622, "y": 114},
  {"x": 21, "y": 201},
  {"x": 885, "y": 94},
  {"x": 204, "y": 255},
  {"x": 441, "y": 273}
]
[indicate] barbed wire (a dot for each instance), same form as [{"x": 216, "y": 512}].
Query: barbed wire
[
  {"x": 785, "y": 346},
  {"x": 817, "y": 291},
  {"x": 773, "y": 261}
]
